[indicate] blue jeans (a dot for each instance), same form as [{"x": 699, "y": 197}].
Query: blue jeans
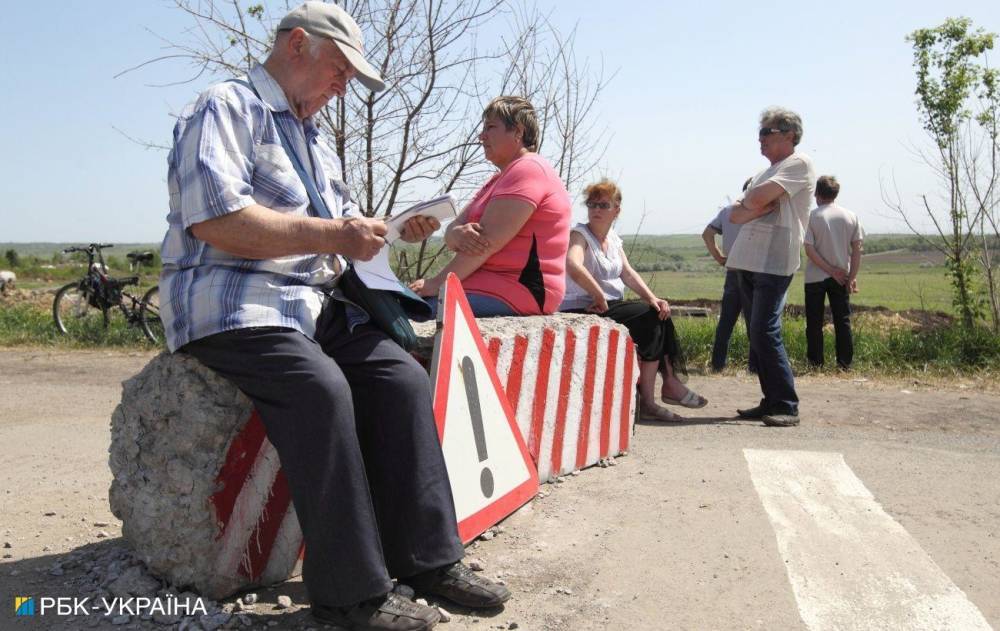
[
  {"x": 764, "y": 295},
  {"x": 482, "y": 306},
  {"x": 729, "y": 312}
]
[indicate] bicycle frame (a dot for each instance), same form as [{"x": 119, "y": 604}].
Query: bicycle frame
[{"x": 104, "y": 293}]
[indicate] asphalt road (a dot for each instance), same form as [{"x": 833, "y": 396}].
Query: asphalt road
[{"x": 902, "y": 504}]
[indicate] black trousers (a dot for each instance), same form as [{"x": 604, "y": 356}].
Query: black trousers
[
  {"x": 840, "y": 308},
  {"x": 655, "y": 339},
  {"x": 350, "y": 416}
]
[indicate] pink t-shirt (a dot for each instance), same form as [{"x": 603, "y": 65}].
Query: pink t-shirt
[{"x": 529, "y": 273}]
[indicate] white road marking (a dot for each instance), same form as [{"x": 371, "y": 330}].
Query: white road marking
[{"x": 851, "y": 565}]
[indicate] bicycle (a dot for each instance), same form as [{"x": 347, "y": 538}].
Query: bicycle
[{"x": 86, "y": 305}]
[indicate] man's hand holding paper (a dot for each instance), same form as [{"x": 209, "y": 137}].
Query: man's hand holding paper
[
  {"x": 435, "y": 210},
  {"x": 418, "y": 228},
  {"x": 361, "y": 238}
]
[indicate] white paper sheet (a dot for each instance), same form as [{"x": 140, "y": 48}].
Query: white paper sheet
[
  {"x": 376, "y": 273},
  {"x": 441, "y": 208}
]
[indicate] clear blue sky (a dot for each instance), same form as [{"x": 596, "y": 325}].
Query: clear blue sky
[{"x": 682, "y": 110}]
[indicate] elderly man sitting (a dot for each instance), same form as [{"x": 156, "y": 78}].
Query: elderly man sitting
[{"x": 249, "y": 288}]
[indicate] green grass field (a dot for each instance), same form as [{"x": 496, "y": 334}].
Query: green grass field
[
  {"x": 879, "y": 286},
  {"x": 897, "y": 280},
  {"x": 677, "y": 267}
]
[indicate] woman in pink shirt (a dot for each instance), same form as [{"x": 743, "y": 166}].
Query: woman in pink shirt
[{"x": 510, "y": 242}]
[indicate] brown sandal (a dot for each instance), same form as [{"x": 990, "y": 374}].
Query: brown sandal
[
  {"x": 691, "y": 399},
  {"x": 657, "y": 413}
]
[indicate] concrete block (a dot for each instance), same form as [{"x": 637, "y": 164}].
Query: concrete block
[
  {"x": 200, "y": 491},
  {"x": 196, "y": 483},
  {"x": 571, "y": 381}
]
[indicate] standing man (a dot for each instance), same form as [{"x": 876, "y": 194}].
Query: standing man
[
  {"x": 249, "y": 289},
  {"x": 775, "y": 211},
  {"x": 833, "y": 246},
  {"x": 732, "y": 304}
]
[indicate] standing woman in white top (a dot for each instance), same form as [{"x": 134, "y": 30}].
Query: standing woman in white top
[{"x": 597, "y": 274}]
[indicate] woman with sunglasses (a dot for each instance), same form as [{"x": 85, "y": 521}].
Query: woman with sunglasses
[
  {"x": 598, "y": 273},
  {"x": 510, "y": 241}
]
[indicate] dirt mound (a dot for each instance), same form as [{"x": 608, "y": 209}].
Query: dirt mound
[
  {"x": 881, "y": 318},
  {"x": 40, "y": 298}
]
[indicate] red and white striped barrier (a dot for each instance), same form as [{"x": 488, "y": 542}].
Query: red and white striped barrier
[
  {"x": 200, "y": 491},
  {"x": 259, "y": 538},
  {"x": 197, "y": 485},
  {"x": 571, "y": 383}
]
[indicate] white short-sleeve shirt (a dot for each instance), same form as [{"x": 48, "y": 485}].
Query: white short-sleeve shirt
[
  {"x": 771, "y": 244},
  {"x": 831, "y": 231}
]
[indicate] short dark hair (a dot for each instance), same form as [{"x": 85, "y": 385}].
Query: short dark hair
[
  {"x": 827, "y": 187},
  {"x": 513, "y": 110}
]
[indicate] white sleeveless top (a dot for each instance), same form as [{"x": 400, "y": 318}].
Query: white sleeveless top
[{"x": 605, "y": 268}]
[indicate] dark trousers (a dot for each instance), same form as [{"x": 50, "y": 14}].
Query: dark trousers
[
  {"x": 840, "y": 308},
  {"x": 765, "y": 297},
  {"x": 655, "y": 339},
  {"x": 351, "y": 419},
  {"x": 729, "y": 312}
]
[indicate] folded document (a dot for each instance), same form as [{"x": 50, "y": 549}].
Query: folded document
[{"x": 441, "y": 208}]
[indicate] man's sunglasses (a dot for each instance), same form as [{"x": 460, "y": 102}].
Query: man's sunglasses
[
  {"x": 767, "y": 131},
  {"x": 601, "y": 205}
]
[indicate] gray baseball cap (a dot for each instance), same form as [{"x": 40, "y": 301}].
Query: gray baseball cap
[{"x": 330, "y": 21}]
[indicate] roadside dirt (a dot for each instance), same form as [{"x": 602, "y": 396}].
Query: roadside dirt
[{"x": 672, "y": 537}]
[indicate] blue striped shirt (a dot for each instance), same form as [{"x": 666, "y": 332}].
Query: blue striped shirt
[{"x": 227, "y": 155}]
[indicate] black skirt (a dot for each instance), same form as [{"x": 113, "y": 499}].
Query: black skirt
[{"x": 655, "y": 339}]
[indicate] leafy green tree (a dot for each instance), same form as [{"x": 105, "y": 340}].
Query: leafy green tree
[
  {"x": 12, "y": 258},
  {"x": 982, "y": 170},
  {"x": 950, "y": 66}
]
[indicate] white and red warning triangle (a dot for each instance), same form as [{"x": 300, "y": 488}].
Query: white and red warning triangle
[{"x": 492, "y": 473}]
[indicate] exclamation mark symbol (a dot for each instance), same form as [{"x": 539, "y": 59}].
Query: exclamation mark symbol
[{"x": 476, "y": 412}]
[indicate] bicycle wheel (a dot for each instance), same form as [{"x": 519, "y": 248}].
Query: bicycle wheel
[
  {"x": 74, "y": 315},
  {"x": 149, "y": 316}
]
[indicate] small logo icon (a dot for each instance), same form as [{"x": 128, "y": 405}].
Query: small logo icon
[{"x": 24, "y": 605}]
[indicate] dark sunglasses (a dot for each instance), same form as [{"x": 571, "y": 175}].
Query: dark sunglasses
[
  {"x": 767, "y": 131},
  {"x": 601, "y": 205}
]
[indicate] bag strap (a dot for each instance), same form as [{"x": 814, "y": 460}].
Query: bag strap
[
  {"x": 413, "y": 304},
  {"x": 315, "y": 199}
]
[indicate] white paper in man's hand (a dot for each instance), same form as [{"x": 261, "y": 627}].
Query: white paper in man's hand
[{"x": 441, "y": 208}]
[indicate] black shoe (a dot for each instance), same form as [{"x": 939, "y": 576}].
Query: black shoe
[
  {"x": 391, "y": 612},
  {"x": 780, "y": 420},
  {"x": 755, "y": 413},
  {"x": 459, "y": 584}
]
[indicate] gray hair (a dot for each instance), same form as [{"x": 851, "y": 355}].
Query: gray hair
[
  {"x": 313, "y": 42},
  {"x": 785, "y": 120}
]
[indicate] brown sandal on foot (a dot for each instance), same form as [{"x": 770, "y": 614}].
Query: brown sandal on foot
[
  {"x": 691, "y": 399},
  {"x": 657, "y": 413}
]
